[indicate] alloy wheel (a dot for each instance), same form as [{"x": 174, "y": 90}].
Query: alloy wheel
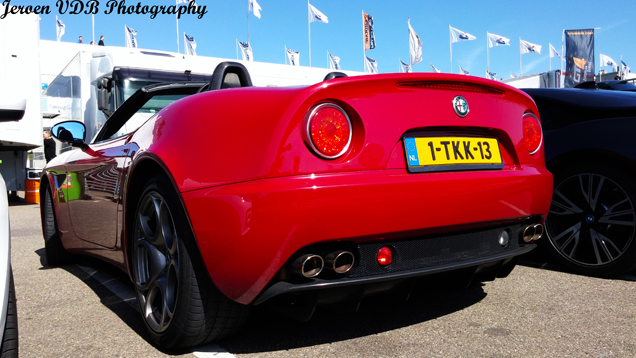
[
  {"x": 156, "y": 261},
  {"x": 591, "y": 220}
]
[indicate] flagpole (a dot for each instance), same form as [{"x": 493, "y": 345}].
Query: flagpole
[
  {"x": 562, "y": 54},
  {"x": 178, "y": 49},
  {"x": 248, "y": 22},
  {"x": 364, "y": 54},
  {"x": 177, "y": 18},
  {"x": 520, "y": 71},
  {"x": 450, "y": 41},
  {"x": 408, "y": 21},
  {"x": 309, "y": 31},
  {"x": 93, "y": 18},
  {"x": 487, "y": 54}
]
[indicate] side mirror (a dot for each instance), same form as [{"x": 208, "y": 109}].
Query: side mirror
[
  {"x": 102, "y": 83},
  {"x": 102, "y": 99},
  {"x": 71, "y": 132},
  {"x": 12, "y": 109},
  {"x": 103, "y": 89}
]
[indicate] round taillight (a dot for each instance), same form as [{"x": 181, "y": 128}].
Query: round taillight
[
  {"x": 532, "y": 133},
  {"x": 384, "y": 256},
  {"x": 328, "y": 131}
]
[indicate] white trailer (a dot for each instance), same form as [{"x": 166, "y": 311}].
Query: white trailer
[
  {"x": 72, "y": 95},
  {"x": 19, "y": 80}
]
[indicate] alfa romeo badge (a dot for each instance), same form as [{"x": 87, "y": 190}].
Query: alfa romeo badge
[{"x": 460, "y": 106}]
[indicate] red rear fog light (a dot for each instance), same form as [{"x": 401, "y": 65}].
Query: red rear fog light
[
  {"x": 328, "y": 131},
  {"x": 384, "y": 256}
]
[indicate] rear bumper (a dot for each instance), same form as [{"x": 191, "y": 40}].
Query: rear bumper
[
  {"x": 487, "y": 268},
  {"x": 300, "y": 300},
  {"x": 247, "y": 231}
]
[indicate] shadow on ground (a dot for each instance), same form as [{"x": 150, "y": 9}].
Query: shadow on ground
[
  {"x": 85, "y": 270},
  {"x": 267, "y": 330}
]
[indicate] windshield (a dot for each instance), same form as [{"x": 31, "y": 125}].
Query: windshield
[
  {"x": 152, "y": 106},
  {"x": 127, "y": 88}
]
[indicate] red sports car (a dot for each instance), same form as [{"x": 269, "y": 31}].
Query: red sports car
[{"x": 299, "y": 196}]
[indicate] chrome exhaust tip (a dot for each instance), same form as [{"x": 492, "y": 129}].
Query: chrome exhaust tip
[
  {"x": 538, "y": 232},
  {"x": 308, "y": 265},
  {"x": 339, "y": 261},
  {"x": 528, "y": 233}
]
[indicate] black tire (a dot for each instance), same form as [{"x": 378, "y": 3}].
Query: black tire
[
  {"x": 9, "y": 347},
  {"x": 179, "y": 304},
  {"x": 56, "y": 254},
  {"x": 591, "y": 226}
]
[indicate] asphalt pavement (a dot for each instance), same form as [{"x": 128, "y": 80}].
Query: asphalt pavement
[{"x": 89, "y": 310}]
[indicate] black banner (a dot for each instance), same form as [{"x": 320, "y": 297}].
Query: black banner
[{"x": 579, "y": 57}]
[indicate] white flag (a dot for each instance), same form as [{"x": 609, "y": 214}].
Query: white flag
[
  {"x": 253, "y": 6},
  {"x": 334, "y": 62},
  {"x": 458, "y": 35},
  {"x": 607, "y": 61},
  {"x": 625, "y": 68},
  {"x": 415, "y": 46},
  {"x": 293, "y": 57},
  {"x": 553, "y": 52},
  {"x": 404, "y": 68},
  {"x": 496, "y": 40},
  {"x": 434, "y": 68},
  {"x": 370, "y": 65},
  {"x": 512, "y": 75},
  {"x": 190, "y": 45},
  {"x": 131, "y": 40},
  {"x": 528, "y": 47},
  {"x": 491, "y": 75},
  {"x": 463, "y": 71},
  {"x": 61, "y": 28},
  {"x": 194, "y": 5},
  {"x": 316, "y": 15},
  {"x": 246, "y": 51}
]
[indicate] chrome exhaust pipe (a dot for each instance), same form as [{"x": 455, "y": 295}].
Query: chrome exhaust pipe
[
  {"x": 528, "y": 233},
  {"x": 538, "y": 231},
  {"x": 308, "y": 265},
  {"x": 339, "y": 261}
]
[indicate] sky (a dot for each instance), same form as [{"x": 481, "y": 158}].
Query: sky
[{"x": 284, "y": 23}]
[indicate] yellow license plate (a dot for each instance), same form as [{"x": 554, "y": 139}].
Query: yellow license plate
[{"x": 452, "y": 153}]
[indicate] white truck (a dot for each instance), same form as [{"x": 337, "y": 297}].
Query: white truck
[
  {"x": 19, "y": 80},
  {"x": 115, "y": 73},
  {"x": 71, "y": 75}
]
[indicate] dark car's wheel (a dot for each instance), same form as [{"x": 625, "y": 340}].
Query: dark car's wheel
[
  {"x": 592, "y": 220},
  {"x": 9, "y": 347},
  {"x": 56, "y": 254},
  {"x": 178, "y": 302}
]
